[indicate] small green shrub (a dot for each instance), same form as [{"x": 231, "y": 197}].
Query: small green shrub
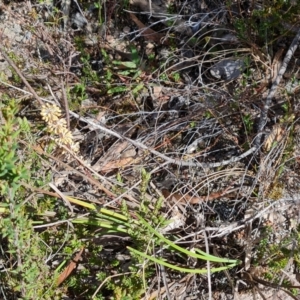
[{"x": 27, "y": 275}]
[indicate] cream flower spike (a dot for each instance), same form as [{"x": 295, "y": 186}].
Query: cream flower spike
[{"x": 51, "y": 114}]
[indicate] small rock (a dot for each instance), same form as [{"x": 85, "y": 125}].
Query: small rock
[
  {"x": 126, "y": 29},
  {"x": 79, "y": 20},
  {"x": 228, "y": 69}
]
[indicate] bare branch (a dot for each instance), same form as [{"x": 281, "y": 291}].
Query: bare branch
[
  {"x": 20, "y": 74},
  {"x": 166, "y": 158},
  {"x": 264, "y": 113}
]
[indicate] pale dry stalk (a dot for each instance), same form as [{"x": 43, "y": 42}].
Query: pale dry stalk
[{"x": 264, "y": 113}]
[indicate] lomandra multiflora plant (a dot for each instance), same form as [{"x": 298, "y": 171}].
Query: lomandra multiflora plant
[{"x": 57, "y": 126}]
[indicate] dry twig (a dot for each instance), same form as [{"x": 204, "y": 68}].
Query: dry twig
[
  {"x": 264, "y": 114},
  {"x": 164, "y": 157},
  {"x": 12, "y": 64}
]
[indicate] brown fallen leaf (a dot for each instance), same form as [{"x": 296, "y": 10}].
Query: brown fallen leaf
[
  {"x": 69, "y": 269},
  {"x": 186, "y": 198},
  {"x": 275, "y": 136},
  {"x": 118, "y": 163},
  {"x": 120, "y": 155},
  {"x": 181, "y": 198},
  {"x": 148, "y": 33}
]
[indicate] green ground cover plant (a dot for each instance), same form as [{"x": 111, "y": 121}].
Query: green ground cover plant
[{"x": 26, "y": 274}]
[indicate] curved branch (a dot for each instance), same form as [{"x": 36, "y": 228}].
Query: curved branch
[{"x": 264, "y": 114}]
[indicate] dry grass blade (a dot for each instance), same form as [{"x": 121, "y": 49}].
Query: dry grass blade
[
  {"x": 62, "y": 196},
  {"x": 67, "y": 167}
]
